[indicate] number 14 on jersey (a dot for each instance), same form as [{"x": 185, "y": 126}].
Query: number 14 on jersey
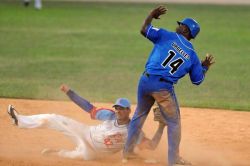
[{"x": 173, "y": 64}]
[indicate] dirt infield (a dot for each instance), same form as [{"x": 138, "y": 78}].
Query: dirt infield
[{"x": 209, "y": 137}]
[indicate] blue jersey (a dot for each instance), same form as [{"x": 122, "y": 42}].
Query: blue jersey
[{"x": 173, "y": 56}]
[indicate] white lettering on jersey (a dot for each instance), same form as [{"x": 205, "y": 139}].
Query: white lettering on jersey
[{"x": 157, "y": 29}]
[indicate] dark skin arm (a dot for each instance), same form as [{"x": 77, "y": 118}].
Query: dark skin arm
[
  {"x": 155, "y": 13},
  {"x": 208, "y": 61},
  {"x": 152, "y": 144}
]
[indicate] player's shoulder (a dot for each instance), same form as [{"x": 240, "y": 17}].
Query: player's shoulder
[
  {"x": 166, "y": 31},
  {"x": 186, "y": 44},
  {"x": 103, "y": 114},
  {"x": 166, "y": 34},
  {"x": 159, "y": 29}
]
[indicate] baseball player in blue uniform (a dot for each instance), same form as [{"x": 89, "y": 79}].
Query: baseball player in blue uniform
[{"x": 172, "y": 57}]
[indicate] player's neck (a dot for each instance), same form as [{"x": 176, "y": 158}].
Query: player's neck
[
  {"x": 123, "y": 122},
  {"x": 187, "y": 36}
]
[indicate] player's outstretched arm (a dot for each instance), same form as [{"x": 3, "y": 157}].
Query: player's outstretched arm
[
  {"x": 81, "y": 102},
  {"x": 64, "y": 88},
  {"x": 199, "y": 69},
  {"x": 155, "y": 13},
  {"x": 157, "y": 137},
  {"x": 153, "y": 143},
  {"x": 99, "y": 114}
]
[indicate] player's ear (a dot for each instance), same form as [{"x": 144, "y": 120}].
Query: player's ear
[{"x": 185, "y": 30}]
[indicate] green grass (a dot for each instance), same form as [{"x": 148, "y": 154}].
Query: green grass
[{"x": 96, "y": 48}]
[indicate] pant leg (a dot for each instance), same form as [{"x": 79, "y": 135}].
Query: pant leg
[
  {"x": 170, "y": 110},
  {"x": 79, "y": 152},
  {"x": 77, "y": 131},
  {"x": 52, "y": 121},
  {"x": 38, "y": 4},
  {"x": 145, "y": 102}
]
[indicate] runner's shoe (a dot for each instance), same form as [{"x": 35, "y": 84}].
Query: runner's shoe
[{"x": 13, "y": 114}]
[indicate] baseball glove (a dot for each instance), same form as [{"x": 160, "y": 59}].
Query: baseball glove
[{"x": 158, "y": 116}]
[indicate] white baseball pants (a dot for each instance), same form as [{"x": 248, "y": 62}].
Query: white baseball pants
[{"x": 78, "y": 132}]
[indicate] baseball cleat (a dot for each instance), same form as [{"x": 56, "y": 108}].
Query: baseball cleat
[
  {"x": 48, "y": 151},
  {"x": 181, "y": 162},
  {"x": 13, "y": 114},
  {"x": 26, "y": 4}
]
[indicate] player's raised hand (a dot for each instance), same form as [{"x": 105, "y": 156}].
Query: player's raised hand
[
  {"x": 208, "y": 61},
  {"x": 64, "y": 88},
  {"x": 160, "y": 10}
]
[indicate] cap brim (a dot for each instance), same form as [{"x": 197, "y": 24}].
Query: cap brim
[{"x": 120, "y": 106}]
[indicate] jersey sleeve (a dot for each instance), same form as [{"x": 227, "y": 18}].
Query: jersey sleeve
[
  {"x": 152, "y": 33},
  {"x": 197, "y": 71},
  {"x": 102, "y": 114},
  {"x": 80, "y": 101}
]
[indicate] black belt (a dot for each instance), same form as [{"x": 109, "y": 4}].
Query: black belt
[
  {"x": 163, "y": 80},
  {"x": 146, "y": 74},
  {"x": 160, "y": 79}
]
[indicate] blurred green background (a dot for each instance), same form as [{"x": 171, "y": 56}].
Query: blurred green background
[{"x": 96, "y": 49}]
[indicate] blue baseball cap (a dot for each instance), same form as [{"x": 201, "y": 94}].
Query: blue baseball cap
[
  {"x": 193, "y": 26},
  {"x": 122, "y": 102}
]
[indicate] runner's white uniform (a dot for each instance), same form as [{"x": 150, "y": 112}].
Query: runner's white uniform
[{"x": 91, "y": 141}]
